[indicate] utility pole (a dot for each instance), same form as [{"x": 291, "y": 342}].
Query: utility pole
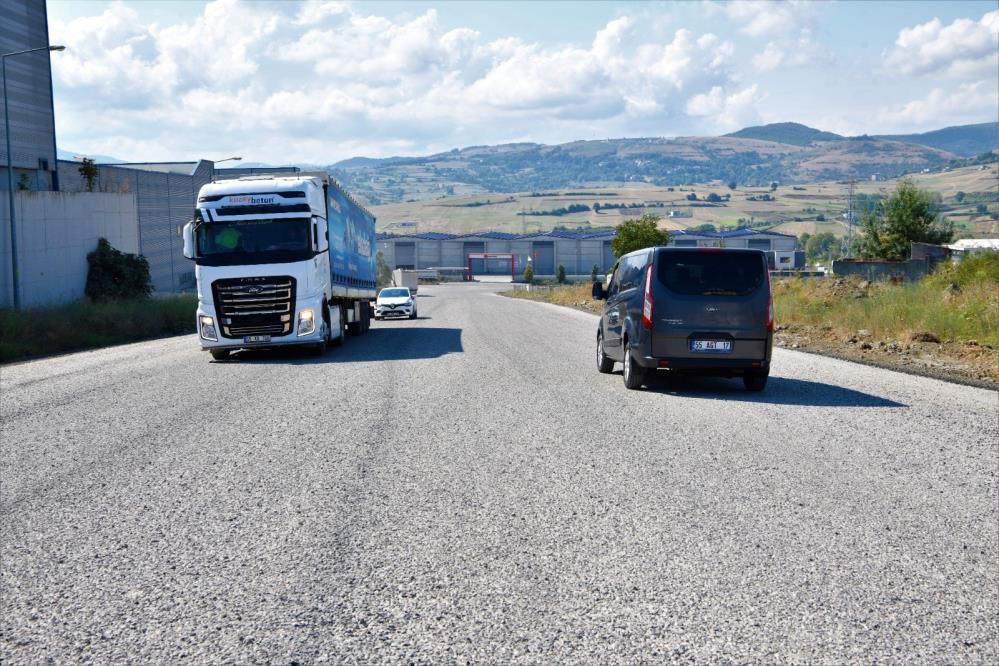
[{"x": 849, "y": 219}]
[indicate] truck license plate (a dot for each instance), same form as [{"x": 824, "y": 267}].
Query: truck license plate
[
  {"x": 711, "y": 345},
  {"x": 256, "y": 338}
]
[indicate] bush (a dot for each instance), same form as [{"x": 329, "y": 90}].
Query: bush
[
  {"x": 529, "y": 274},
  {"x": 383, "y": 274},
  {"x": 594, "y": 272},
  {"x": 981, "y": 268},
  {"x": 560, "y": 274},
  {"x": 116, "y": 275}
]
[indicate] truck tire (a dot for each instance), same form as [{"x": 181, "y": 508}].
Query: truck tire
[
  {"x": 318, "y": 349},
  {"x": 219, "y": 354}
]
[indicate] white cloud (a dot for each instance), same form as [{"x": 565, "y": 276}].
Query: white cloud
[
  {"x": 727, "y": 111},
  {"x": 792, "y": 53},
  {"x": 327, "y": 81},
  {"x": 968, "y": 103},
  {"x": 760, "y": 18},
  {"x": 964, "y": 48}
]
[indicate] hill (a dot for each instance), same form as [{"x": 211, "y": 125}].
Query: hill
[
  {"x": 527, "y": 167},
  {"x": 795, "y": 134},
  {"x": 964, "y": 140}
]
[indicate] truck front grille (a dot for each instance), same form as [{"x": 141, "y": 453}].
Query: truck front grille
[{"x": 255, "y": 306}]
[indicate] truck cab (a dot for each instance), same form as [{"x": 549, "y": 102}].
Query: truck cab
[{"x": 265, "y": 275}]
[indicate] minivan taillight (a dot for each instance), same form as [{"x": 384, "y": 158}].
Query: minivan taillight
[{"x": 647, "y": 300}]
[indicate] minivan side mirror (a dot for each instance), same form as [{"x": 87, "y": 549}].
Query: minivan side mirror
[{"x": 598, "y": 291}]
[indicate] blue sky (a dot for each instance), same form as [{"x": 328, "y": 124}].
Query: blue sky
[{"x": 322, "y": 81}]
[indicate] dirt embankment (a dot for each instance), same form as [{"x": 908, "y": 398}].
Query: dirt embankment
[{"x": 922, "y": 354}]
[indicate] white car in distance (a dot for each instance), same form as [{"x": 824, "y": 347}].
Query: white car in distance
[{"x": 395, "y": 302}]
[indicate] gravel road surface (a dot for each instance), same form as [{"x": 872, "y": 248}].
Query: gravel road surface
[{"x": 466, "y": 487}]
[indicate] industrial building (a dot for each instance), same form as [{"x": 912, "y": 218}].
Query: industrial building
[
  {"x": 24, "y": 25},
  {"x": 578, "y": 253}
]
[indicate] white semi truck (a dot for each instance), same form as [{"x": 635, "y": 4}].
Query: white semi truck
[{"x": 286, "y": 260}]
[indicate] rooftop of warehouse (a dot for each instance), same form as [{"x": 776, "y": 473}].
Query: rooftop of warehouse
[{"x": 605, "y": 233}]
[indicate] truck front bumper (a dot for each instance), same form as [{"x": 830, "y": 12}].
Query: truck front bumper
[{"x": 208, "y": 328}]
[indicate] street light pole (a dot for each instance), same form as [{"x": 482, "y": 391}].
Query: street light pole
[
  {"x": 228, "y": 159},
  {"x": 10, "y": 170}
]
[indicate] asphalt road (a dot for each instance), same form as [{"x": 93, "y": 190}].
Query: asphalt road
[{"x": 466, "y": 487}]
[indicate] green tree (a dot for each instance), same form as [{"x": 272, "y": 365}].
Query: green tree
[
  {"x": 732, "y": 184},
  {"x": 908, "y": 215},
  {"x": 383, "y": 274},
  {"x": 594, "y": 273},
  {"x": 637, "y": 234},
  {"x": 959, "y": 196},
  {"x": 23, "y": 183},
  {"x": 773, "y": 186},
  {"x": 89, "y": 172},
  {"x": 529, "y": 274},
  {"x": 821, "y": 246},
  {"x": 560, "y": 274},
  {"x": 820, "y": 218},
  {"x": 981, "y": 209},
  {"x": 703, "y": 228},
  {"x": 713, "y": 198}
]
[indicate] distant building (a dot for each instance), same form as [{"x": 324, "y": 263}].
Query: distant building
[
  {"x": 24, "y": 25},
  {"x": 577, "y": 252}
]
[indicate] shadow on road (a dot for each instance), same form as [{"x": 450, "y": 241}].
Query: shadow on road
[
  {"x": 779, "y": 391},
  {"x": 382, "y": 343}
]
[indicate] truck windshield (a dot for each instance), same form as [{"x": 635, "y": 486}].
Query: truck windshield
[
  {"x": 712, "y": 273},
  {"x": 253, "y": 241}
]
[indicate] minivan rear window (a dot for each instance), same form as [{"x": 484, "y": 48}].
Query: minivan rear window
[{"x": 712, "y": 273}]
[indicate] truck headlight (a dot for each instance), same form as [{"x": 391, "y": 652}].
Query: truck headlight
[
  {"x": 208, "y": 328},
  {"x": 306, "y": 322}
]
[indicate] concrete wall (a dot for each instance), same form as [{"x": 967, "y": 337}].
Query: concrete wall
[
  {"x": 55, "y": 231},
  {"x": 909, "y": 271},
  {"x": 166, "y": 200}
]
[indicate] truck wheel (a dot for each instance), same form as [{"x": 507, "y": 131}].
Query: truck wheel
[
  {"x": 634, "y": 374},
  {"x": 318, "y": 349},
  {"x": 219, "y": 354}
]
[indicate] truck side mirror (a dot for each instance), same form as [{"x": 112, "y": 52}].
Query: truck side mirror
[
  {"x": 189, "y": 240},
  {"x": 598, "y": 291}
]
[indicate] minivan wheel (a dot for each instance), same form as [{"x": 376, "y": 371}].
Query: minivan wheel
[
  {"x": 604, "y": 363},
  {"x": 634, "y": 374},
  {"x": 754, "y": 382}
]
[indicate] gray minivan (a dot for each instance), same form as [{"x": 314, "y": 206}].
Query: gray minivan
[{"x": 696, "y": 310}]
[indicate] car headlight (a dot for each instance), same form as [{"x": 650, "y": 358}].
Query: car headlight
[
  {"x": 306, "y": 322},
  {"x": 208, "y": 328},
  {"x": 409, "y": 302}
]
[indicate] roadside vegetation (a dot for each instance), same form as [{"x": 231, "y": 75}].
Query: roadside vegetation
[
  {"x": 957, "y": 303},
  {"x": 88, "y": 325},
  {"x": 117, "y": 309}
]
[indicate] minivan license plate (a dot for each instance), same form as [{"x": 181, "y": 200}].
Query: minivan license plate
[
  {"x": 256, "y": 338},
  {"x": 711, "y": 345}
]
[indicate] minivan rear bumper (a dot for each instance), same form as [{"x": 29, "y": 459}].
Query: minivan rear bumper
[{"x": 710, "y": 364}]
